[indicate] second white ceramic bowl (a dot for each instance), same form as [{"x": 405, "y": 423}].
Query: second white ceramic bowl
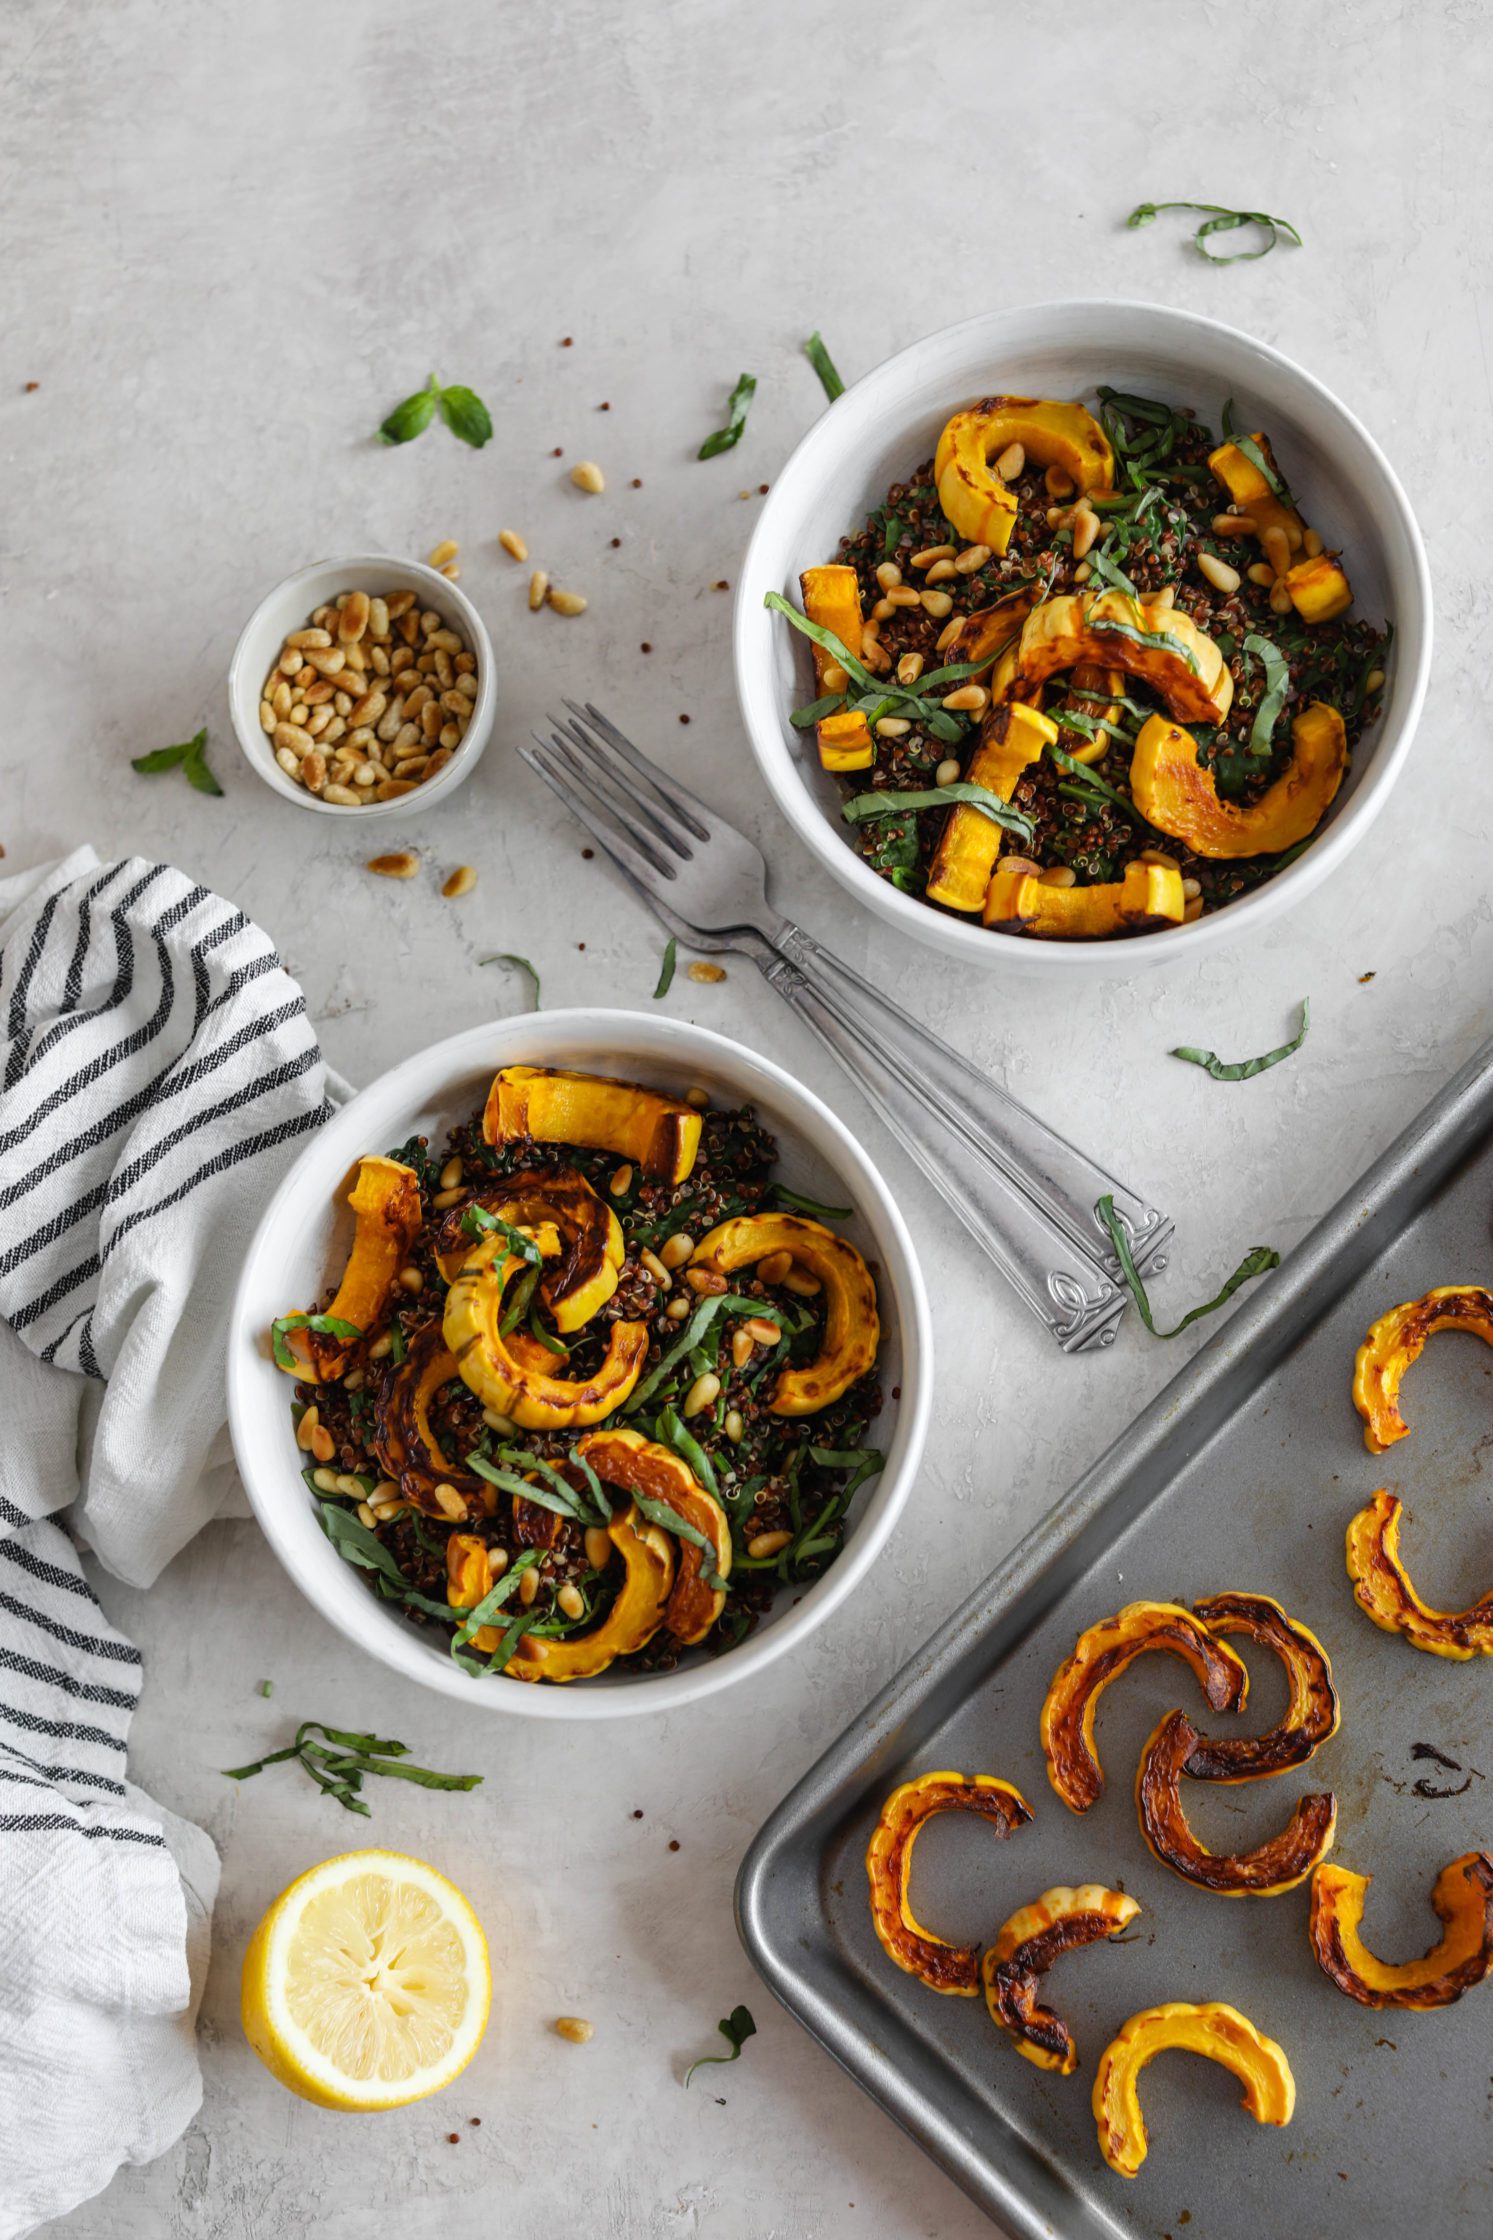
[
  {"x": 880, "y": 430},
  {"x": 303, "y": 1238},
  {"x": 290, "y": 606}
]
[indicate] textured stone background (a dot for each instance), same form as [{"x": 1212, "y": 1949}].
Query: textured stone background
[{"x": 230, "y": 239}]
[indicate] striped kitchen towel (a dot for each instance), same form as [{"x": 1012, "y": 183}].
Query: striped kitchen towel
[{"x": 157, "y": 1072}]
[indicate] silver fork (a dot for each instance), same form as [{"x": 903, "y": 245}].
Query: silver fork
[{"x": 1026, "y": 1194}]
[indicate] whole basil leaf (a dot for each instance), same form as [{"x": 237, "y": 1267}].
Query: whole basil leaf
[
  {"x": 466, "y": 416},
  {"x": 412, "y": 417}
]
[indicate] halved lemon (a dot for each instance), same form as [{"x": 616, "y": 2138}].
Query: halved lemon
[{"x": 367, "y": 1984}]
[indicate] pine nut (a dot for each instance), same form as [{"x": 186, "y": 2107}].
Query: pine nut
[
  {"x": 741, "y": 1346},
  {"x": 937, "y": 603},
  {"x": 305, "y": 1430},
  {"x": 1165, "y": 597},
  {"x": 1011, "y": 461},
  {"x": 382, "y": 1347},
  {"x": 708, "y": 973},
  {"x": 1233, "y": 525},
  {"x": 539, "y": 584},
  {"x": 386, "y": 1511},
  {"x": 575, "y": 2027},
  {"x": 1374, "y": 681},
  {"x": 1218, "y": 572},
  {"x": 947, "y": 772},
  {"x": 774, "y": 1266},
  {"x": 449, "y": 1502},
  {"x": 288, "y": 762},
  {"x": 971, "y": 560},
  {"x": 947, "y": 637},
  {"x": 327, "y": 662},
  {"x": 528, "y": 1587},
  {"x": 621, "y": 1181},
  {"x": 495, "y": 1420},
  {"x": 800, "y": 1280},
  {"x": 366, "y": 1516},
  {"x": 1082, "y": 572},
  {"x": 678, "y": 1309},
  {"x": 903, "y": 596},
  {"x": 909, "y": 668},
  {"x": 1261, "y": 573},
  {"x": 1060, "y": 876},
  {"x": 932, "y": 552},
  {"x": 267, "y": 717},
  {"x": 1191, "y": 889},
  {"x": 567, "y": 602},
  {"x": 451, "y": 572},
  {"x": 445, "y": 1198},
  {"x": 1312, "y": 544},
  {"x": 401, "y": 865},
  {"x": 353, "y": 620},
  {"x": 882, "y": 611},
  {"x": 734, "y": 1426},
  {"x": 1280, "y": 600},
  {"x": 761, "y": 1331},
  {"x": 703, "y": 1393},
  {"x": 342, "y": 797},
  {"x": 1160, "y": 858},
  {"x": 1059, "y": 482},
  {"x": 705, "y": 1281},
  {"x": 513, "y": 544},
  {"x": 893, "y": 727},
  {"x": 572, "y": 1602},
  {"x": 325, "y": 1481},
  {"x": 411, "y": 1280},
  {"x": 699, "y": 1098},
  {"x": 941, "y": 571},
  {"x": 461, "y": 881},
  {"x": 768, "y": 1543},
  {"x": 446, "y": 550},
  {"x": 587, "y": 475},
  {"x": 294, "y": 736},
  {"x": 889, "y": 575},
  {"x": 677, "y": 1249},
  {"x": 835, "y": 679},
  {"x": 1277, "y": 549},
  {"x": 656, "y": 1269},
  {"x": 1086, "y": 527},
  {"x": 974, "y": 697},
  {"x": 323, "y": 1446},
  {"x": 1192, "y": 910},
  {"x": 451, "y": 1174},
  {"x": 598, "y": 1547}
]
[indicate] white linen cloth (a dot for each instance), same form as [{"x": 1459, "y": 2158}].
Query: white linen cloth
[{"x": 157, "y": 1070}]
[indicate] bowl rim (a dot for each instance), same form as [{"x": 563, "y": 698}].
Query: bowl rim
[
  {"x": 747, "y": 1069},
  {"x": 953, "y": 935},
  {"x": 244, "y": 692}
]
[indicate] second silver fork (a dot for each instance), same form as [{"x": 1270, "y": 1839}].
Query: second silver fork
[{"x": 1025, "y": 1193}]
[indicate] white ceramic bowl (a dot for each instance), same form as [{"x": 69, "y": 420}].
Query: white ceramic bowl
[
  {"x": 290, "y": 606},
  {"x": 884, "y": 427},
  {"x": 303, "y": 1238}
]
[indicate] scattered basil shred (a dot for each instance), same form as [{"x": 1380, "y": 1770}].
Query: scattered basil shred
[
  {"x": 810, "y": 1206},
  {"x": 824, "y": 365},
  {"x": 522, "y": 964},
  {"x": 338, "y": 1762},
  {"x": 736, "y": 2028},
  {"x": 1219, "y": 218},
  {"x": 1245, "y": 1069},
  {"x": 727, "y": 438},
  {"x": 666, "y": 969},
  {"x": 1256, "y": 1262},
  {"x": 865, "y": 806},
  {"x": 1277, "y": 684}
]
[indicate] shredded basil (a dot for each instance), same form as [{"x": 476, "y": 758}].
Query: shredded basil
[
  {"x": 477, "y": 1222},
  {"x": 1258, "y": 460},
  {"x": 824, "y": 365},
  {"x": 1245, "y": 1069},
  {"x": 323, "y": 1325},
  {"x": 339, "y": 1770},
  {"x": 506, "y": 956},
  {"x": 726, "y": 439},
  {"x": 868, "y": 805},
  {"x": 666, "y": 970},
  {"x": 723, "y": 1302},
  {"x": 1256, "y": 1261},
  {"x": 1082, "y": 774},
  {"x": 1221, "y": 220},
  {"x": 1158, "y": 639},
  {"x": 737, "y": 2027},
  {"x": 810, "y": 1206},
  {"x": 1277, "y": 685}
]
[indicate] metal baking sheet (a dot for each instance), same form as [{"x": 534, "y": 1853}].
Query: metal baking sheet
[{"x": 1242, "y": 1474}]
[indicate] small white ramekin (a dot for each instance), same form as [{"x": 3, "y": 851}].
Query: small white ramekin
[
  {"x": 290, "y": 607},
  {"x": 880, "y": 430},
  {"x": 303, "y": 1237}
]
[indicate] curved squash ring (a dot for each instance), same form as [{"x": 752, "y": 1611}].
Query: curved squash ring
[
  {"x": 1011, "y": 738},
  {"x": 1110, "y": 629},
  {"x": 385, "y": 1201},
  {"x": 1020, "y": 901},
  {"x": 1179, "y": 797},
  {"x": 403, "y": 1439},
  {"x": 1026, "y": 1948},
  {"x": 1102, "y": 1653},
  {"x": 852, "y": 1327},
  {"x": 1382, "y": 1589},
  {"x": 638, "y": 1465},
  {"x": 1396, "y": 1340},
  {"x": 634, "y": 1618},
  {"x": 504, "y": 1375},
  {"x": 1220, "y": 2033},
  {"x": 1274, "y": 1866},
  {"x": 582, "y": 1280},
  {"x": 977, "y": 502},
  {"x": 1310, "y": 1718},
  {"x": 984, "y": 635},
  {"x": 953, "y": 1968},
  {"x": 548, "y": 1105},
  {"x": 1463, "y": 1898}
]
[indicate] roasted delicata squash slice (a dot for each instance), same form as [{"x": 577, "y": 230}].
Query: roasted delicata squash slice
[
  {"x": 577, "y": 1285},
  {"x": 852, "y": 1328},
  {"x": 1011, "y": 738},
  {"x": 1310, "y": 1717},
  {"x": 1019, "y": 900},
  {"x": 1462, "y": 1956},
  {"x": 661, "y": 1134},
  {"x": 503, "y": 1371},
  {"x": 403, "y": 1437},
  {"x": 1103, "y": 1651},
  {"x": 1218, "y": 2032},
  {"x": 1027, "y": 1945},
  {"x": 943, "y": 1967},
  {"x": 1382, "y": 1589},
  {"x": 1113, "y": 631},
  {"x": 468, "y": 1579},
  {"x": 385, "y": 1201},
  {"x": 640, "y": 1466},
  {"x": 1318, "y": 588},
  {"x": 986, "y": 634},
  {"x": 976, "y": 501},
  {"x": 1396, "y": 1340},
  {"x": 832, "y": 598},
  {"x": 1173, "y": 791},
  {"x": 647, "y": 1557},
  {"x": 1274, "y": 1866}
]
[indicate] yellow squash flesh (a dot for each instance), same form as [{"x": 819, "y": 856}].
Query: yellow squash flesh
[
  {"x": 385, "y": 1201},
  {"x": 504, "y": 1374},
  {"x": 661, "y": 1134},
  {"x": 1383, "y": 1591},
  {"x": 1052, "y": 434},
  {"x": 640, "y": 1466},
  {"x": 950, "y": 1968},
  {"x": 1175, "y": 794},
  {"x": 1218, "y": 2032},
  {"x": 1461, "y": 1957},
  {"x": 1019, "y": 901},
  {"x": 1318, "y": 588},
  {"x": 1397, "y": 1340},
  {"x": 584, "y": 1277},
  {"x": 647, "y": 1555},
  {"x": 1011, "y": 739},
  {"x": 1026, "y": 1947},
  {"x": 832, "y": 598},
  {"x": 1113, "y": 631},
  {"x": 852, "y": 1327}
]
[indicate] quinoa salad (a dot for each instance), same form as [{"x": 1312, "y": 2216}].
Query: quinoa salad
[
  {"x": 594, "y": 1385},
  {"x": 1086, "y": 673}
]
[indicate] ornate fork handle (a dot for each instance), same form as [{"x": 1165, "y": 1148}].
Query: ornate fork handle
[{"x": 1020, "y": 1189}]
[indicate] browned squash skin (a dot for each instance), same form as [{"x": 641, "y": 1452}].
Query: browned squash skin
[
  {"x": 1102, "y": 1653},
  {"x": 1112, "y": 630},
  {"x": 508, "y": 1370},
  {"x": 403, "y": 1439},
  {"x": 1311, "y": 1715},
  {"x": 1462, "y": 1956},
  {"x": 1060, "y": 1921},
  {"x": 385, "y": 1200},
  {"x": 577, "y": 1285},
  {"x": 952, "y": 1968},
  {"x": 1397, "y": 1340},
  {"x": 1273, "y": 1866},
  {"x": 1383, "y": 1591}
]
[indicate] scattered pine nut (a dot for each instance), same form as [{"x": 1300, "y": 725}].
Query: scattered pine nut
[
  {"x": 932, "y": 552},
  {"x": 571, "y": 1601},
  {"x": 621, "y": 1181},
  {"x": 513, "y": 544},
  {"x": 971, "y": 559},
  {"x": 835, "y": 679},
  {"x": 889, "y": 575},
  {"x": 1374, "y": 681},
  {"x": 587, "y": 476},
  {"x": 947, "y": 772},
  {"x": 1011, "y": 462},
  {"x": 565, "y": 602},
  {"x": 768, "y": 1543},
  {"x": 1218, "y": 572},
  {"x": 909, "y": 669},
  {"x": 461, "y": 881},
  {"x": 937, "y": 603},
  {"x": 571, "y": 2026},
  {"x": 446, "y": 550},
  {"x": 1261, "y": 573},
  {"x": 710, "y": 973},
  {"x": 1312, "y": 543},
  {"x": 970, "y": 697},
  {"x": 401, "y": 865},
  {"x": 1233, "y": 525},
  {"x": 1086, "y": 527},
  {"x": 451, "y": 571},
  {"x": 539, "y": 584}
]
